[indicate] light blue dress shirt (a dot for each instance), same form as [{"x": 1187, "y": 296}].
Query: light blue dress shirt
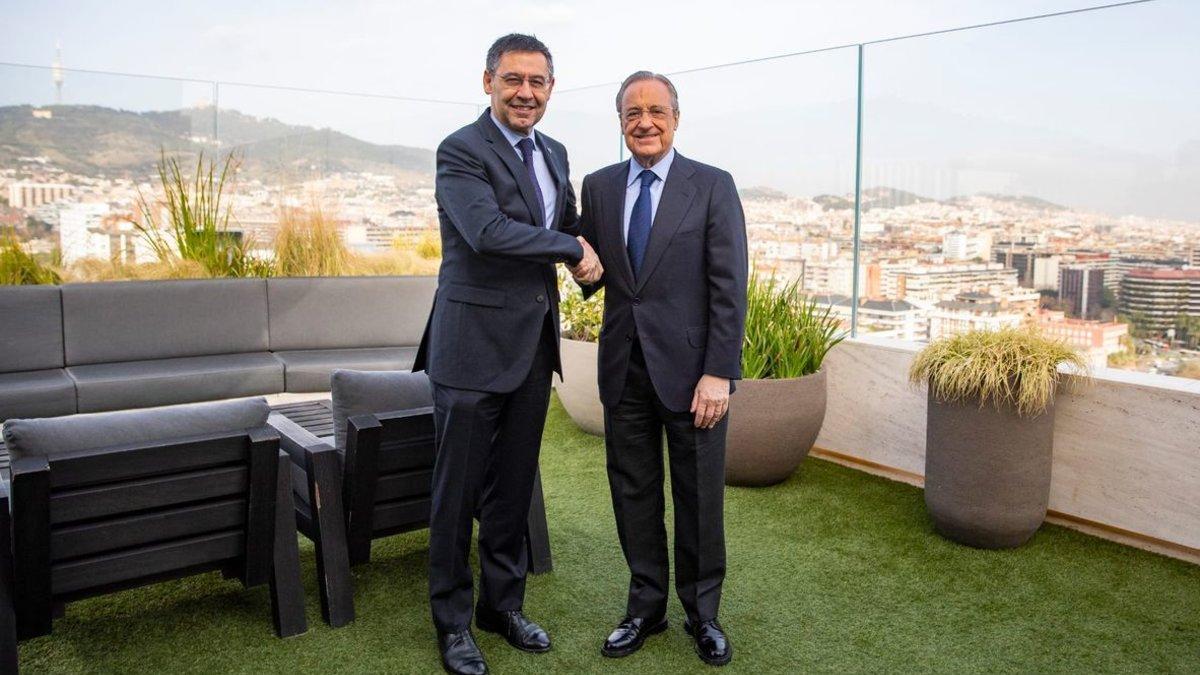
[
  {"x": 545, "y": 178},
  {"x": 633, "y": 186}
]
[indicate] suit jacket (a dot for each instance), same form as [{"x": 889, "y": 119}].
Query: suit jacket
[
  {"x": 688, "y": 305},
  {"x": 496, "y": 282}
]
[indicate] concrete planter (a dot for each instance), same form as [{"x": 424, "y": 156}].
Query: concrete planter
[
  {"x": 579, "y": 391},
  {"x": 772, "y": 426},
  {"x": 987, "y": 473}
]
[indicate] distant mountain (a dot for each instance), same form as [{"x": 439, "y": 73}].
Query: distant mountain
[
  {"x": 95, "y": 140},
  {"x": 1020, "y": 200},
  {"x": 763, "y": 194},
  {"x": 875, "y": 197}
]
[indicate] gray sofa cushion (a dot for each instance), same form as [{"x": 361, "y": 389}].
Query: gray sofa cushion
[
  {"x": 31, "y": 336},
  {"x": 356, "y": 392},
  {"x": 310, "y": 370},
  {"x": 38, "y": 393},
  {"x": 49, "y": 436},
  {"x": 141, "y": 320},
  {"x": 141, "y": 384},
  {"x": 315, "y": 313}
]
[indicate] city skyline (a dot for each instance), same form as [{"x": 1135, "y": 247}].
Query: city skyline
[{"x": 1059, "y": 108}]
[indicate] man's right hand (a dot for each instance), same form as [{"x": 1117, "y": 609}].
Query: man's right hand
[{"x": 589, "y": 270}]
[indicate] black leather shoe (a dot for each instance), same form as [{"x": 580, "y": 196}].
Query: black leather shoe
[
  {"x": 514, "y": 627},
  {"x": 460, "y": 654},
  {"x": 630, "y": 634},
  {"x": 712, "y": 646}
]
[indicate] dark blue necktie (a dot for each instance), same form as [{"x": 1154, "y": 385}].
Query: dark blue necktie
[
  {"x": 639, "y": 223},
  {"x": 526, "y": 147}
]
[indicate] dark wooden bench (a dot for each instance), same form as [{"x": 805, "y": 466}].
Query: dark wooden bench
[
  {"x": 379, "y": 488},
  {"x": 96, "y": 521}
]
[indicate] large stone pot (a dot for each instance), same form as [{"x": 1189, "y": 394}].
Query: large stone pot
[
  {"x": 987, "y": 473},
  {"x": 772, "y": 426},
  {"x": 579, "y": 391}
]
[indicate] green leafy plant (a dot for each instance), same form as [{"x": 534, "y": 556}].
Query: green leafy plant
[
  {"x": 197, "y": 227},
  {"x": 1011, "y": 368},
  {"x": 579, "y": 319},
  {"x": 787, "y": 334},
  {"x": 20, "y": 267}
]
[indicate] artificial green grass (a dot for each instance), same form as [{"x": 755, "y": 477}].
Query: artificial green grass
[{"x": 834, "y": 570}]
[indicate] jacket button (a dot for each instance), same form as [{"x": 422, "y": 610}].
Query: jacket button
[
  {"x": 541, "y": 298},
  {"x": 629, "y": 338},
  {"x": 637, "y": 301}
]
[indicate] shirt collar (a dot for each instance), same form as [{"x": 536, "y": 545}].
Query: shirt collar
[
  {"x": 660, "y": 169},
  {"x": 512, "y": 136}
]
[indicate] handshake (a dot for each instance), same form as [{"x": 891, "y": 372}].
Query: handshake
[{"x": 589, "y": 269}]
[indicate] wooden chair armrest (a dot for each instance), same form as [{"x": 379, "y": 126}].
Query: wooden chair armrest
[{"x": 295, "y": 440}]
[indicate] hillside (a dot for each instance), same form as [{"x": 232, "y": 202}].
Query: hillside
[{"x": 95, "y": 140}]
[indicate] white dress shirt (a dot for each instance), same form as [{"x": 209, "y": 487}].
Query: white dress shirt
[
  {"x": 540, "y": 167},
  {"x": 633, "y": 186}
]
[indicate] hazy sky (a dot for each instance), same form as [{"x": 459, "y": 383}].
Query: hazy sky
[{"x": 1099, "y": 110}]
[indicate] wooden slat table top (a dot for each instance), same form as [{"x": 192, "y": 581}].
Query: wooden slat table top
[{"x": 316, "y": 417}]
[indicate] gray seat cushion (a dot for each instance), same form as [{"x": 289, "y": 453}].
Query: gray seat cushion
[
  {"x": 49, "y": 436},
  {"x": 310, "y": 370},
  {"x": 315, "y": 313},
  {"x": 38, "y": 393},
  {"x": 356, "y": 392},
  {"x": 141, "y": 384},
  {"x": 31, "y": 330},
  {"x": 143, "y": 320}
]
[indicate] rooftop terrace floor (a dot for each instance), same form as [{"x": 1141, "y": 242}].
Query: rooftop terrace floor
[{"x": 834, "y": 570}]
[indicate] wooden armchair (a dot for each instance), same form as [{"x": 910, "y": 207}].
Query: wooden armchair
[
  {"x": 109, "y": 501},
  {"x": 374, "y": 480}
]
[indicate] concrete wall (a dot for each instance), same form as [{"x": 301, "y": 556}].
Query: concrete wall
[{"x": 1126, "y": 446}]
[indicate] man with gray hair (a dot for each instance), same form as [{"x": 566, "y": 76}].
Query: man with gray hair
[{"x": 672, "y": 243}]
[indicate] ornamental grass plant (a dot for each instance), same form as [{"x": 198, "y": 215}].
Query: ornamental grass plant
[
  {"x": 1011, "y": 368},
  {"x": 19, "y": 267},
  {"x": 197, "y": 215},
  {"x": 787, "y": 334},
  {"x": 308, "y": 244}
]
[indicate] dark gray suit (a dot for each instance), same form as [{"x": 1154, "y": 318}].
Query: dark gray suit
[
  {"x": 489, "y": 348},
  {"x": 682, "y": 317}
]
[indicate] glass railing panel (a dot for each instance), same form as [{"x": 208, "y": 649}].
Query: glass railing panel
[
  {"x": 76, "y": 151},
  {"x": 362, "y": 166},
  {"x": 585, "y": 121},
  {"x": 1022, "y": 174},
  {"x": 785, "y": 129}
]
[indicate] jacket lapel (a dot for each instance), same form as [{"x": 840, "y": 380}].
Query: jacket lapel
[
  {"x": 516, "y": 167},
  {"x": 613, "y": 225},
  {"x": 672, "y": 207}
]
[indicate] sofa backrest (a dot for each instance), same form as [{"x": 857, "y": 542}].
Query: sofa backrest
[
  {"x": 348, "y": 312},
  {"x": 31, "y": 328},
  {"x": 140, "y": 320}
]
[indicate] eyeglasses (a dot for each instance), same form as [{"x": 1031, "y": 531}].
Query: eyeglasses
[
  {"x": 536, "y": 82},
  {"x": 656, "y": 113}
]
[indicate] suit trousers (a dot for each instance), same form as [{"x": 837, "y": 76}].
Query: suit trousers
[
  {"x": 633, "y": 438},
  {"x": 487, "y": 458}
]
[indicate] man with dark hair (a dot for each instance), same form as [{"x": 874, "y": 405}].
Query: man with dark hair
[
  {"x": 672, "y": 239},
  {"x": 507, "y": 215}
]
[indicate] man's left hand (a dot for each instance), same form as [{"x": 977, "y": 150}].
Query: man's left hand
[{"x": 710, "y": 402}]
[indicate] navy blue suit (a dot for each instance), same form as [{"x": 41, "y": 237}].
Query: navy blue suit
[
  {"x": 681, "y": 316},
  {"x": 490, "y": 346}
]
